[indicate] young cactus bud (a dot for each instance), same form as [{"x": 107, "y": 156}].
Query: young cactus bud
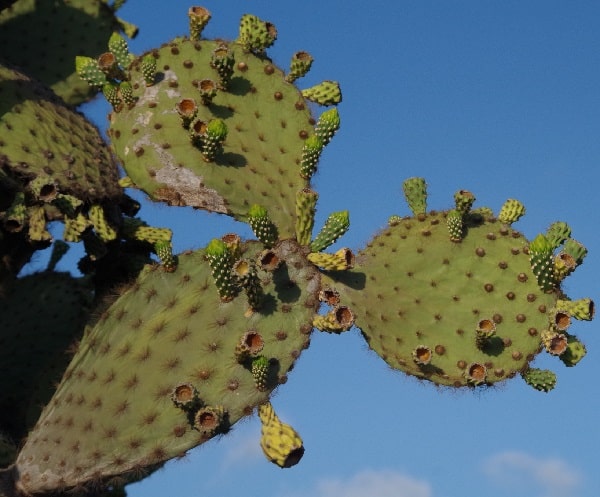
[
  {"x": 148, "y": 68},
  {"x": 88, "y": 70},
  {"x": 415, "y": 192},
  {"x": 198, "y": 19},
  {"x": 110, "y": 90},
  {"x": 208, "y": 91},
  {"x": 306, "y": 202},
  {"x": 311, "y": 151},
  {"x": 210, "y": 420},
  {"x": 101, "y": 224},
  {"x": 336, "y": 225},
  {"x": 164, "y": 251},
  {"x": 221, "y": 264},
  {"x": 222, "y": 60},
  {"x": 280, "y": 443},
  {"x": 342, "y": 260},
  {"x": 542, "y": 262},
  {"x": 511, "y": 211},
  {"x": 212, "y": 141},
  {"x": 575, "y": 250},
  {"x": 543, "y": 380},
  {"x": 299, "y": 66},
  {"x": 454, "y": 221},
  {"x": 262, "y": 226},
  {"x": 126, "y": 92},
  {"x": 463, "y": 200},
  {"x": 118, "y": 46},
  {"x": 260, "y": 372},
  {"x": 557, "y": 233},
  {"x": 325, "y": 93},
  {"x": 256, "y": 35},
  {"x": 582, "y": 309},
  {"x": 327, "y": 125}
]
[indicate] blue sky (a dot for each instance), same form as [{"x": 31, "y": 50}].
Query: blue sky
[{"x": 500, "y": 98}]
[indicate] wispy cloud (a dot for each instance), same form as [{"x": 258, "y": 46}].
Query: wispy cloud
[
  {"x": 548, "y": 477},
  {"x": 381, "y": 483},
  {"x": 246, "y": 448}
]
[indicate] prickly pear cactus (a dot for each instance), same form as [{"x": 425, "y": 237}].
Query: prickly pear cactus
[
  {"x": 170, "y": 365},
  {"x": 214, "y": 125},
  {"x": 461, "y": 298},
  {"x": 29, "y": 39}
]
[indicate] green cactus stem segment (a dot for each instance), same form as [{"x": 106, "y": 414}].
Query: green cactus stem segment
[
  {"x": 575, "y": 250},
  {"x": 213, "y": 139},
  {"x": 164, "y": 251},
  {"x": 15, "y": 217},
  {"x": 324, "y": 93},
  {"x": 463, "y": 199},
  {"x": 148, "y": 68},
  {"x": 67, "y": 204},
  {"x": 280, "y": 443},
  {"x": 74, "y": 227},
  {"x": 262, "y": 226},
  {"x": 119, "y": 48},
  {"x": 486, "y": 329},
  {"x": 311, "y": 152},
  {"x": 126, "y": 92},
  {"x": 557, "y": 233},
  {"x": 542, "y": 262},
  {"x": 342, "y": 260},
  {"x": 574, "y": 353},
  {"x": 306, "y": 202},
  {"x": 37, "y": 224},
  {"x": 260, "y": 372},
  {"x": 88, "y": 70},
  {"x": 327, "y": 125},
  {"x": 185, "y": 396},
  {"x": 101, "y": 224},
  {"x": 511, "y": 211},
  {"x": 454, "y": 220},
  {"x": 222, "y": 60},
  {"x": 221, "y": 263},
  {"x": 110, "y": 90},
  {"x": 415, "y": 192},
  {"x": 198, "y": 19},
  {"x": 543, "y": 380},
  {"x": 210, "y": 420},
  {"x": 136, "y": 229},
  {"x": 208, "y": 91},
  {"x": 582, "y": 309},
  {"x": 340, "y": 318},
  {"x": 335, "y": 226},
  {"x": 256, "y": 35},
  {"x": 299, "y": 66}
]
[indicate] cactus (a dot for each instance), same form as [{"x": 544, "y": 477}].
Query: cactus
[{"x": 171, "y": 350}]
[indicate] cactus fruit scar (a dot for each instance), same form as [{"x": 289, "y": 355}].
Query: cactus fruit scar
[
  {"x": 195, "y": 369},
  {"x": 479, "y": 310},
  {"x": 217, "y": 125}
]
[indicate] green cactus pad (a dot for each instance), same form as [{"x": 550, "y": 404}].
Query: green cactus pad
[
  {"x": 30, "y": 38},
  {"x": 413, "y": 287},
  {"x": 43, "y": 314},
  {"x": 267, "y": 119},
  {"x": 113, "y": 412},
  {"x": 42, "y": 137}
]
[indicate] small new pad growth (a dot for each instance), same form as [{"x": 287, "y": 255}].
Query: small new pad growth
[
  {"x": 255, "y": 34},
  {"x": 543, "y": 380},
  {"x": 327, "y": 125},
  {"x": 164, "y": 251},
  {"x": 415, "y": 192},
  {"x": 221, "y": 264},
  {"x": 542, "y": 263},
  {"x": 511, "y": 211},
  {"x": 262, "y": 226},
  {"x": 335, "y": 226},
  {"x": 280, "y": 443},
  {"x": 148, "y": 68},
  {"x": 454, "y": 220},
  {"x": 306, "y": 202},
  {"x": 313, "y": 146},
  {"x": 260, "y": 372},
  {"x": 299, "y": 66},
  {"x": 325, "y": 93},
  {"x": 464, "y": 200}
]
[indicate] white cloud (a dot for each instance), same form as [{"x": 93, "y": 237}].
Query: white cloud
[
  {"x": 243, "y": 449},
  {"x": 549, "y": 477},
  {"x": 381, "y": 483}
]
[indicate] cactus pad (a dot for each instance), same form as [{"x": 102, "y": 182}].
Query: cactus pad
[
  {"x": 114, "y": 412},
  {"x": 474, "y": 304}
]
